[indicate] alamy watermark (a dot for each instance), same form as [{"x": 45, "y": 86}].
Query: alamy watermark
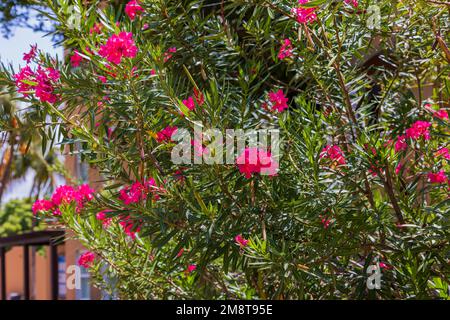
[
  {"x": 73, "y": 279},
  {"x": 374, "y": 276}
]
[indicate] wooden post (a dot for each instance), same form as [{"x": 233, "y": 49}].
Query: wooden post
[
  {"x": 26, "y": 272},
  {"x": 54, "y": 271}
]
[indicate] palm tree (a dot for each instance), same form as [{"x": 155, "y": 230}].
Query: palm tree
[{"x": 22, "y": 150}]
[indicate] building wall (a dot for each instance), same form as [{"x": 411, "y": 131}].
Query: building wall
[
  {"x": 40, "y": 287},
  {"x": 40, "y": 283},
  {"x": 14, "y": 272}
]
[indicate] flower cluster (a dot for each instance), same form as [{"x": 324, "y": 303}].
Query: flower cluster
[
  {"x": 75, "y": 59},
  {"x": 119, "y": 46},
  {"x": 256, "y": 160},
  {"x": 325, "y": 221},
  {"x": 334, "y": 153},
  {"x": 191, "y": 268},
  {"x": 42, "y": 82},
  {"x": 400, "y": 144},
  {"x": 198, "y": 99},
  {"x": 285, "y": 50},
  {"x": 305, "y": 15},
  {"x": 31, "y": 54},
  {"x": 132, "y": 9},
  {"x": 139, "y": 191},
  {"x": 441, "y": 114},
  {"x": 419, "y": 129},
  {"x": 103, "y": 217},
  {"x": 86, "y": 259},
  {"x": 439, "y": 177},
  {"x": 169, "y": 53},
  {"x": 96, "y": 29},
  {"x": 241, "y": 241},
  {"x": 166, "y": 134},
  {"x": 189, "y": 103},
  {"x": 64, "y": 195},
  {"x": 443, "y": 152},
  {"x": 130, "y": 227},
  {"x": 353, "y": 2},
  {"x": 278, "y": 101}
]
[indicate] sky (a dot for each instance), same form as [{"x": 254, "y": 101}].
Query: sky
[{"x": 11, "y": 51}]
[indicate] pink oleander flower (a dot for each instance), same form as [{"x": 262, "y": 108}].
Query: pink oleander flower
[
  {"x": 42, "y": 205},
  {"x": 103, "y": 217},
  {"x": 53, "y": 74},
  {"x": 119, "y": 46},
  {"x": 64, "y": 195},
  {"x": 441, "y": 114},
  {"x": 189, "y": 103},
  {"x": 241, "y": 241},
  {"x": 31, "y": 54},
  {"x": 169, "y": 53},
  {"x": 353, "y": 2},
  {"x": 199, "y": 97},
  {"x": 46, "y": 79},
  {"x": 102, "y": 79},
  {"x": 42, "y": 82},
  {"x": 443, "y": 152},
  {"x": 305, "y": 15},
  {"x": 132, "y": 9},
  {"x": 110, "y": 132},
  {"x": 84, "y": 193},
  {"x": 325, "y": 222},
  {"x": 138, "y": 191},
  {"x": 439, "y": 177},
  {"x": 278, "y": 101},
  {"x": 419, "y": 129},
  {"x": 133, "y": 194},
  {"x": 178, "y": 175},
  {"x": 334, "y": 153},
  {"x": 130, "y": 227},
  {"x": 23, "y": 79},
  {"x": 191, "y": 268},
  {"x": 400, "y": 144},
  {"x": 256, "y": 160},
  {"x": 285, "y": 50},
  {"x": 86, "y": 259},
  {"x": 96, "y": 29},
  {"x": 398, "y": 168},
  {"x": 133, "y": 73},
  {"x": 180, "y": 253},
  {"x": 75, "y": 59},
  {"x": 166, "y": 134},
  {"x": 152, "y": 72},
  {"x": 385, "y": 266}
]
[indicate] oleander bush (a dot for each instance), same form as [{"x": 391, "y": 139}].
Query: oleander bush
[{"x": 359, "y": 91}]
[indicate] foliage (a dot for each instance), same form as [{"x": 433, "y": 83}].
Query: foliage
[
  {"x": 16, "y": 217},
  {"x": 25, "y": 14},
  {"x": 340, "y": 199},
  {"x": 23, "y": 150}
]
